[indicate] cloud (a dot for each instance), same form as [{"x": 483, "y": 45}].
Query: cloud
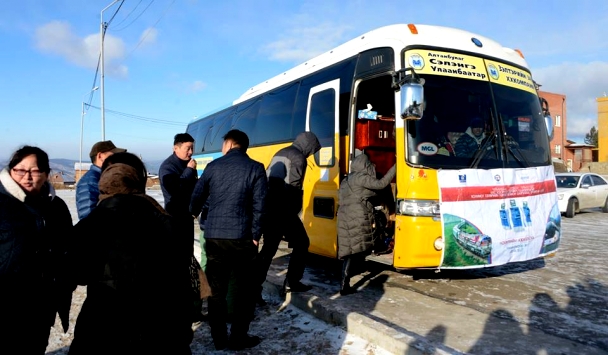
[
  {"x": 197, "y": 86},
  {"x": 57, "y": 38},
  {"x": 149, "y": 36},
  {"x": 582, "y": 126},
  {"x": 302, "y": 43},
  {"x": 582, "y": 83}
]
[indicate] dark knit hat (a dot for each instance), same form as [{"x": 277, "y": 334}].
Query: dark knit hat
[{"x": 477, "y": 122}]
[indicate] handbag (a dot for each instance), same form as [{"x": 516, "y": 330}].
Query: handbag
[{"x": 198, "y": 281}]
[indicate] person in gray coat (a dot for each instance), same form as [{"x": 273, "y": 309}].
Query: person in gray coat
[
  {"x": 286, "y": 173},
  {"x": 356, "y": 216}
]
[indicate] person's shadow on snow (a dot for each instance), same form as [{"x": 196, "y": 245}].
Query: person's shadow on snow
[
  {"x": 500, "y": 332},
  {"x": 587, "y": 306},
  {"x": 434, "y": 336},
  {"x": 546, "y": 318}
]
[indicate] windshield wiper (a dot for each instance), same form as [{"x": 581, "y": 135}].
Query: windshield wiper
[
  {"x": 487, "y": 145},
  {"x": 509, "y": 142}
]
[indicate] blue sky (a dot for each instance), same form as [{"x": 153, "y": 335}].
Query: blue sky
[{"x": 167, "y": 61}]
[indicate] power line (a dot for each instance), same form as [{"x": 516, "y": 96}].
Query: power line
[
  {"x": 107, "y": 24},
  {"x": 94, "y": 82},
  {"x": 112, "y": 18},
  {"x": 142, "y": 118},
  {"x": 129, "y": 14},
  {"x": 148, "y": 32},
  {"x": 135, "y": 19}
]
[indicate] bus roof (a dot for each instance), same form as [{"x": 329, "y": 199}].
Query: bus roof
[{"x": 397, "y": 36}]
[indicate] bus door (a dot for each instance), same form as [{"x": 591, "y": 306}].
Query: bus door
[{"x": 323, "y": 172}]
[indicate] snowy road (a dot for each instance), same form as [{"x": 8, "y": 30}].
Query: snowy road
[{"x": 562, "y": 298}]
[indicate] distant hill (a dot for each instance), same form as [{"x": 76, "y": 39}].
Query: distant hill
[
  {"x": 66, "y": 167},
  {"x": 153, "y": 165},
  {"x": 63, "y": 166}
]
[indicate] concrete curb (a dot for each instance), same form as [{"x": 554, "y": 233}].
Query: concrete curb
[{"x": 356, "y": 324}]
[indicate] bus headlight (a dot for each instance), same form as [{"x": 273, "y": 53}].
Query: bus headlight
[
  {"x": 438, "y": 244},
  {"x": 426, "y": 208}
]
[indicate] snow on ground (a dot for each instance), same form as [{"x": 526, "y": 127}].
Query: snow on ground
[{"x": 284, "y": 329}]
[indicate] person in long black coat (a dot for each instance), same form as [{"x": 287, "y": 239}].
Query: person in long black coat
[
  {"x": 135, "y": 268},
  {"x": 356, "y": 216},
  {"x": 286, "y": 174},
  {"x": 34, "y": 224}
]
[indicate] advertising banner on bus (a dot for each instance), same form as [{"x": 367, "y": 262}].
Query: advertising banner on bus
[{"x": 492, "y": 217}]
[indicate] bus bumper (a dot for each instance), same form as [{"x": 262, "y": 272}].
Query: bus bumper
[{"x": 414, "y": 242}]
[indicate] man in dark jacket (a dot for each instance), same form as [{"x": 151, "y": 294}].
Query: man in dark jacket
[
  {"x": 471, "y": 140},
  {"x": 286, "y": 173},
  {"x": 87, "y": 189},
  {"x": 177, "y": 179},
  {"x": 178, "y": 176},
  {"x": 234, "y": 186}
]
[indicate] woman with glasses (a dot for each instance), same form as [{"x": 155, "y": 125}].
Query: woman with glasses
[{"x": 34, "y": 225}]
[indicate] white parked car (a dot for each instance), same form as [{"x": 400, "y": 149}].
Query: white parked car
[{"x": 577, "y": 191}]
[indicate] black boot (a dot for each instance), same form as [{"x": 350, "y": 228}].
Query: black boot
[
  {"x": 259, "y": 299},
  {"x": 295, "y": 286},
  {"x": 345, "y": 288},
  {"x": 243, "y": 342}
]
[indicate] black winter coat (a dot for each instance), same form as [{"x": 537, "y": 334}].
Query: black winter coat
[
  {"x": 286, "y": 173},
  {"x": 356, "y": 212},
  {"x": 177, "y": 182},
  {"x": 33, "y": 234},
  {"x": 234, "y": 186},
  {"x": 137, "y": 276},
  {"x": 467, "y": 145}
]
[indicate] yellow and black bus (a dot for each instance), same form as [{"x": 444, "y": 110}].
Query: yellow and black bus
[{"x": 406, "y": 95}]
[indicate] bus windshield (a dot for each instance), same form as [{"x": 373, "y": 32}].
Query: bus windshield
[{"x": 473, "y": 123}]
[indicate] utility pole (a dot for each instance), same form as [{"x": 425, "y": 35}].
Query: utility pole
[
  {"x": 103, "y": 27},
  {"x": 82, "y": 126},
  {"x": 563, "y": 123}
]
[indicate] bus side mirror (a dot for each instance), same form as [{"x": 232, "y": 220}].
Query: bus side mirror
[
  {"x": 412, "y": 101},
  {"x": 549, "y": 124},
  {"x": 548, "y": 119},
  {"x": 412, "y": 93}
]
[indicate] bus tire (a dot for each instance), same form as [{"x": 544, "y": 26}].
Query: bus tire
[{"x": 571, "y": 209}]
